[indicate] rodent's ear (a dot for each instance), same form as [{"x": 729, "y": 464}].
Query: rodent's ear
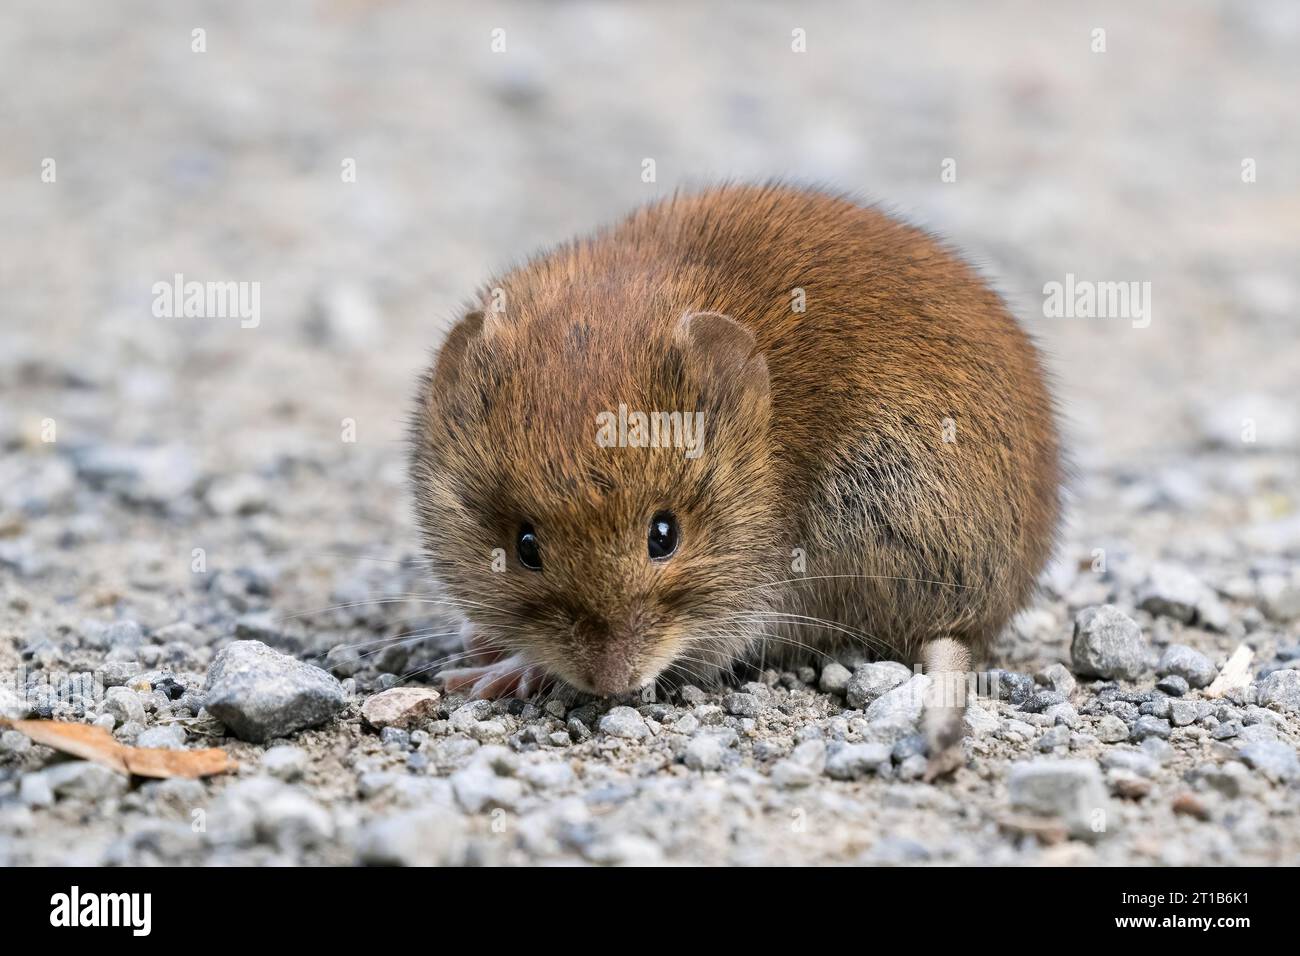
[
  {"x": 726, "y": 344},
  {"x": 452, "y": 354}
]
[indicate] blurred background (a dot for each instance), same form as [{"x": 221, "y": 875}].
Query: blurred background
[{"x": 227, "y": 164}]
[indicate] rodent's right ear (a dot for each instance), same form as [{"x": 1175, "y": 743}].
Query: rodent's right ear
[
  {"x": 727, "y": 345},
  {"x": 451, "y": 357}
]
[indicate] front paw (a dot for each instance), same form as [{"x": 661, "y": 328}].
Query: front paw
[
  {"x": 510, "y": 676},
  {"x": 943, "y": 733}
]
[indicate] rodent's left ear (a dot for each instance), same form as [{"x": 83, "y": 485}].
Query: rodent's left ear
[{"x": 727, "y": 345}]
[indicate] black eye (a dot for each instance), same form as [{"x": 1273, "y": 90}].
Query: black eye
[
  {"x": 662, "y": 541},
  {"x": 530, "y": 556}
]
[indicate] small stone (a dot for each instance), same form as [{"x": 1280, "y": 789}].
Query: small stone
[
  {"x": 400, "y": 707},
  {"x": 1173, "y": 685},
  {"x": 1060, "y": 679},
  {"x": 903, "y": 704},
  {"x": 692, "y": 695},
  {"x": 427, "y": 836},
  {"x": 1111, "y": 730},
  {"x": 1226, "y": 730},
  {"x": 478, "y": 787},
  {"x": 1063, "y": 714},
  {"x": 118, "y": 673},
  {"x": 166, "y": 737},
  {"x": 687, "y": 724},
  {"x": 560, "y": 739},
  {"x": 1145, "y": 727},
  {"x": 704, "y": 752},
  {"x": 1280, "y": 599},
  {"x": 1108, "y": 643},
  {"x": 13, "y": 706},
  {"x": 14, "y": 742},
  {"x": 124, "y": 704},
  {"x": 344, "y": 660},
  {"x": 854, "y": 761},
  {"x": 1011, "y": 686},
  {"x": 625, "y": 723},
  {"x": 1280, "y": 689},
  {"x": 708, "y": 714},
  {"x": 1183, "y": 712},
  {"x": 1179, "y": 660},
  {"x": 835, "y": 678},
  {"x": 802, "y": 767},
  {"x": 1058, "y": 736},
  {"x": 394, "y": 738},
  {"x": 260, "y": 694},
  {"x": 549, "y": 775},
  {"x": 1071, "y": 790},
  {"x": 1272, "y": 758},
  {"x": 977, "y": 721},
  {"x": 83, "y": 780},
  {"x": 285, "y": 762},
  {"x": 1171, "y": 591},
  {"x": 873, "y": 680},
  {"x": 1043, "y": 700},
  {"x": 741, "y": 705}
]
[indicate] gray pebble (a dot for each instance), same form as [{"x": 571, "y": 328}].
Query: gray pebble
[
  {"x": 1272, "y": 758},
  {"x": 166, "y": 737},
  {"x": 1173, "y": 685},
  {"x": 260, "y": 694},
  {"x": 1226, "y": 730},
  {"x": 704, "y": 752},
  {"x": 1171, "y": 591},
  {"x": 854, "y": 761},
  {"x": 871, "y": 681},
  {"x": 1058, "y": 736},
  {"x": 285, "y": 762},
  {"x": 835, "y": 678},
  {"x": 1281, "y": 689},
  {"x": 802, "y": 767},
  {"x": 1071, "y": 790},
  {"x": 1147, "y": 726},
  {"x": 1179, "y": 660},
  {"x": 14, "y": 742},
  {"x": 1013, "y": 687},
  {"x": 426, "y": 836},
  {"x": 626, "y": 723},
  {"x": 1060, "y": 679},
  {"x": 1108, "y": 643},
  {"x": 124, "y": 704},
  {"x": 1183, "y": 712},
  {"x": 741, "y": 705},
  {"x": 83, "y": 780}
]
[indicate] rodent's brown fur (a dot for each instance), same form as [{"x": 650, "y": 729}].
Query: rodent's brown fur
[{"x": 824, "y": 434}]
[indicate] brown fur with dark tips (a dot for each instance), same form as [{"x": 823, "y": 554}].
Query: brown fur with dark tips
[{"x": 824, "y": 432}]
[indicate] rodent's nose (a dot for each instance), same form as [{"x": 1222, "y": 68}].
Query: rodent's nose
[{"x": 611, "y": 674}]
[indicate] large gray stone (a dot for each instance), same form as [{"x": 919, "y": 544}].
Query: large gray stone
[
  {"x": 1108, "y": 643},
  {"x": 260, "y": 694}
]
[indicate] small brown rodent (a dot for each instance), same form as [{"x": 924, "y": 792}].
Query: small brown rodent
[{"x": 878, "y": 464}]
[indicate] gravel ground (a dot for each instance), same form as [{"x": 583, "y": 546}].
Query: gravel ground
[{"x": 193, "y": 514}]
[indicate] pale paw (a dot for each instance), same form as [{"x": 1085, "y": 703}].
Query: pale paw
[
  {"x": 943, "y": 733},
  {"x": 506, "y": 677}
]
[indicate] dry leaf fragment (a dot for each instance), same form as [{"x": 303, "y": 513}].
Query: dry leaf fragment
[
  {"x": 97, "y": 744},
  {"x": 1235, "y": 674}
]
